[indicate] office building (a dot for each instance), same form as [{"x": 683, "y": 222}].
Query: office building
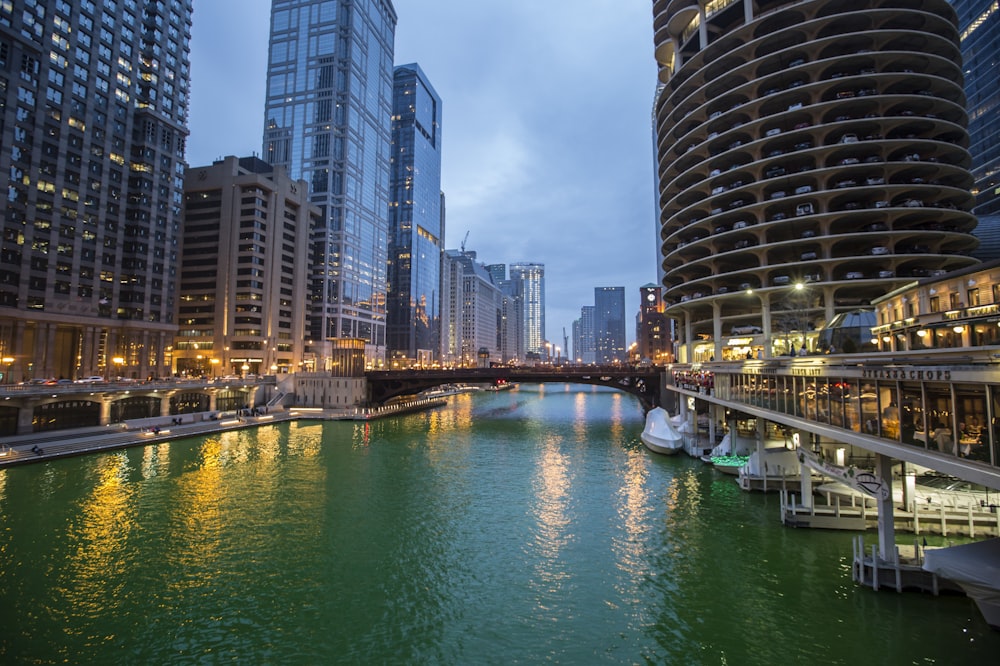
[
  {"x": 811, "y": 157},
  {"x": 979, "y": 32},
  {"x": 327, "y": 120},
  {"x": 583, "y": 336},
  {"x": 653, "y": 337},
  {"x": 530, "y": 288},
  {"x": 609, "y": 325},
  {"x": 244, "y": 263},
  {"x": 416, "y": 229},
  {"x": 472, "y": 311},
  {"x": 94, "y": 99}
]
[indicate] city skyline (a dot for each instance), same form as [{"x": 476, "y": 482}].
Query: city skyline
[{"x": 521, "y": 180}]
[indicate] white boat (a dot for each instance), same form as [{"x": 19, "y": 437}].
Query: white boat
[
  {"x": 658, "y": 435},
  {"x": 976, "y": 568}
]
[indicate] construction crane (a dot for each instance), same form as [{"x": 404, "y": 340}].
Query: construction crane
[{"x": 465, "y": 239}]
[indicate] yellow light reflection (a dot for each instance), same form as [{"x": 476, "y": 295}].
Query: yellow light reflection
[
  {"x": 551, "y": 485},
  {"x": 107, "y": 519}
]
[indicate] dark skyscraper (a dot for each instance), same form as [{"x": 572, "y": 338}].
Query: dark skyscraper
[
  {"x": 328, "y": 121},
  {"x": 609, "y": 324},
  {"x": 94, "y": 98},
  {"x": 416, "y": 228},
  {"x": 979, "y": 32}
]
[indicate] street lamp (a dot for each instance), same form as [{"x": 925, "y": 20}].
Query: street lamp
[
  {"x": 245, "y": 368},
  {"x": 8, "y": 361},
  {"x": 215, "y": 365},
  {"x": 274, "y": 368},
  {"x": 118, "y": 361}
]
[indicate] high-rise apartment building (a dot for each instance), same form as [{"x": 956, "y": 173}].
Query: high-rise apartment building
[
  {"x": 416, "y": 229},
  {"x": 512, "y": 326},
  {"x": 811, "y": 158},
  {"x": 244, "y": 263},
  {"x": 583, "y": 336},
  {"x": 93, "y": 97},
  {"x": 609, "y": 325},
  {"x": 328, "y": 112},
  {"x": 529, "y": 279}
]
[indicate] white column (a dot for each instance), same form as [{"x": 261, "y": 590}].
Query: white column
[{"x": 886, "y": 520}]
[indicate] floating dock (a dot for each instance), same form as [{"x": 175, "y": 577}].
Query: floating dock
[{"x": 925, "y": 519}]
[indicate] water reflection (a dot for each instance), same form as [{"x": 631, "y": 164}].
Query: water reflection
[
  {"x": 155, "y": 460},
  {"x": 100, "y": 536}
]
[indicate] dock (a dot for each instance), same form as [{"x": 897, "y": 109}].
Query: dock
[
  {"x": 924, "y": 519},
  {"x": 901, "y": 570}
]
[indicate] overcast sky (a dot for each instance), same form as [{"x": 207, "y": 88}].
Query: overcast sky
[{"x": 547, "y": 155}]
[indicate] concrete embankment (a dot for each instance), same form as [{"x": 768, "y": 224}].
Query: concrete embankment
[{"x": 37, "y": 447}]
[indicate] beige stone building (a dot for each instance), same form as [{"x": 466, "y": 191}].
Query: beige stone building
[{"x": 242, "y": 286}]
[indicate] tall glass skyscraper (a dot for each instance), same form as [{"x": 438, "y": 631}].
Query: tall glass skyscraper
[
  {"x": 531, "y": 280},
  {"x": 93, "y": 112},
  {"x": 416, "y": 225},
  {"x": 979, "y": 32},
  {"x": 609, "y": 324},
  {"x": 327, "y": 120}
]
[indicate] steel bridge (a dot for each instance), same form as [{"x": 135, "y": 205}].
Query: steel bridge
[{"x": 642, "y": 382}]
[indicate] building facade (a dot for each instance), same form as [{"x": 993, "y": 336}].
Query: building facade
[
  {"x": 93, "y": 100},
  {"x": 583, "y": 336},
  {"x": 609, "y": 325},
  {"x": 810, "y": 158},
  {"x": 530, "y": 288},
  {"x": 654, "y": 340},
  {"x": 473, "y": 321},
  {"x": 327, "y": 120},
  {"x": 416, "y": 229},
  {"x": 244, "y": 267},
  {"x": 979, "y": 32}
]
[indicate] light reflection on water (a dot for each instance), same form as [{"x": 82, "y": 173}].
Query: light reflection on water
[{"x": 515, "y": 527}]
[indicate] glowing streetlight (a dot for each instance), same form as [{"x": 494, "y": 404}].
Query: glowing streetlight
[{"x": 215, "y": 366}]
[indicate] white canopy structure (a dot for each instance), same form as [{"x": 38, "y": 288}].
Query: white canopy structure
[
  {"x": 659, "y": 435},
  {"x": 976, "y": 568}
]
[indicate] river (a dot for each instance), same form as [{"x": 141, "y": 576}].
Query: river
[{"x": 516, "y": 527}]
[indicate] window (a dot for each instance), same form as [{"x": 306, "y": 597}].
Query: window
[{"x": 972, "y": 297}]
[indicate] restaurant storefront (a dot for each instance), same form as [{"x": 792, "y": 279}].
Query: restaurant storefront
[{"x": 951, "y": 410}]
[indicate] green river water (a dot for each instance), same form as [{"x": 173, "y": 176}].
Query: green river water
[{"x": 520, "y": 527}]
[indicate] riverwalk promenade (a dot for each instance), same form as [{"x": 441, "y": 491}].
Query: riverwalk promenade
[{"x": 40, "y": 446}]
